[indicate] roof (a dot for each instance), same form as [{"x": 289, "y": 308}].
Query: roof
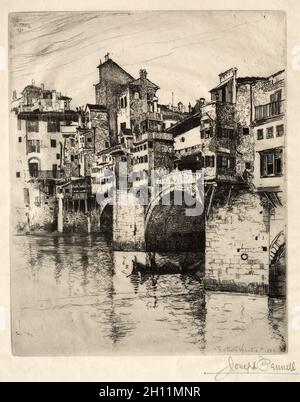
[
  {"x": 245, "y": 80},
  {"x": 222, "y": 84},
  {"x": 63, "y": 97},
  {"x": 185, "y": 125},
  {"x": 150, "y": 84},
  {"x": 278, "y": 72},
  {"x": 31, "y": 87},
  {"x": 67, "y": 115},
  {"x": 164, "y": 108},
  {"x": 96, "y": 107},
  {"x": 171, "y": 114},
  {"x": 110, "y": 61}
]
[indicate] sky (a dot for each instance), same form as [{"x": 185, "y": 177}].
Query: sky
[{"x": 183, "y": 51}]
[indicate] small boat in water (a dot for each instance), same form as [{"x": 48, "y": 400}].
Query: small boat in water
[{"x": 163, "y": 265}]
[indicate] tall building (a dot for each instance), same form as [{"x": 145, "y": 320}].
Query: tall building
[{"x": 112, "y": 77}]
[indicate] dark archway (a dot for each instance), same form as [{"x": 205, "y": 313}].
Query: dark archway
[
  {"x": 169, "y": 228},
  {"x": 106, "y": 221}
]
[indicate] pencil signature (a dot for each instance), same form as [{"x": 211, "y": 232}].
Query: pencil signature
[{"x": 260, "y": 365}]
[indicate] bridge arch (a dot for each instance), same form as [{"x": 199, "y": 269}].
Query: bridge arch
[
  {"x": 106, "y": 218},
  {"x": 170, "y": 228}
]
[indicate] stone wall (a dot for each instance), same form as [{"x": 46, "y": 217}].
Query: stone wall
[
  {"x": 128, "y": 226},
  {"x": 237, "y": 245},
  {"x": 99, "y": 121}
]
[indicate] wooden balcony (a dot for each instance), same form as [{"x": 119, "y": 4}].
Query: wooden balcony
[{"x": 269, "y": 110}]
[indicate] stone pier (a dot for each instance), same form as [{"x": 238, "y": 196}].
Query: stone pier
[
  {"x": 237, "y": 245},
  {"x": 128, "y": 223}
]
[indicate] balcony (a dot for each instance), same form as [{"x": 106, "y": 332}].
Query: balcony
[
  {"x": 195, "y": 149},
  {"x": 269, "y": 110},
  {"x": 151, "y": 116},
  {"x": 45, "y": 174}
]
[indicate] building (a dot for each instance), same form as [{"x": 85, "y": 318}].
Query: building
[
  {"x": 268, "y": 130},
  {"x": 112, "y": 77},
  {"x": 39, "y": 120},
  {"x": 228, "y": 148},
  {"x": 187, "y": 145}
]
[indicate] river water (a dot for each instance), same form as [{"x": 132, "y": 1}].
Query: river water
[{"x": 74, "y": 295}]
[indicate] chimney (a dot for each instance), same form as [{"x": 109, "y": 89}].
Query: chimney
[
  {"x": 143, "y": 74},
  {"x": 106, "y": 57},
  {"x": 14, "y": 95},
  {"x": 32, "y": 82},
  {"x": 42, "y": 86},
  {"x": 190, "y": 107},
  {"x": 53, "y": 99}
]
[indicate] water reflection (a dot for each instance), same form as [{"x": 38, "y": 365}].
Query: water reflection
[{"x": 73, "y": 295}]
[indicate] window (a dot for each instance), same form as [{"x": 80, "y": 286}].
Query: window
[
  {"x": 271, "y": 163},
  {"x": 89, "y": 139},
  {"x": 182, "y": 139},
  {"x": 19, "y": 124},
  {"x": 72, "y": 142},
  {"x": 34, "y": 169},
  {"x": 223, "y": 132},
  {"x": 145, "y": 158},
  {"x": 33, "y": 146},
  {"x": 72, "y": 158},
  {"x": 18, "y": 174},
  {"x": 248, "y": 165},
  {"x": 53, "y": 143},
  {"x": 123, "y": 126},
  {"x": 54, "y": 171},
  {"x": 20, "y": 139},
  {"x": 106, "y": 144},
  {"x": 270, "y": 132},
  {"x": 245, "y": 130},
  {"x": 225, "y": 162},
  {"x": 136, "y": 95},
  {"x": 260, "y": 134},
  {"x": 123, "y": 102},
  {"x": 57, "y": 156},
  {"x": 276, "y": 97},
  {"x": 209, "y": 161},
  {"x": 279, "y": 130},
  {"x": 232, "y": 163},
  {"x": 53, "y": 126},
  {"x": 32, "y": 126},
  {"x": 150, "y": 145}
]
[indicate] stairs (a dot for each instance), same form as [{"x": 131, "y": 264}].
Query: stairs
[{"x": 276, "y": 245}]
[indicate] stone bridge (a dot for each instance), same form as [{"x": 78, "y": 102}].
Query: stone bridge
[{"x": 229, "y": 225}]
